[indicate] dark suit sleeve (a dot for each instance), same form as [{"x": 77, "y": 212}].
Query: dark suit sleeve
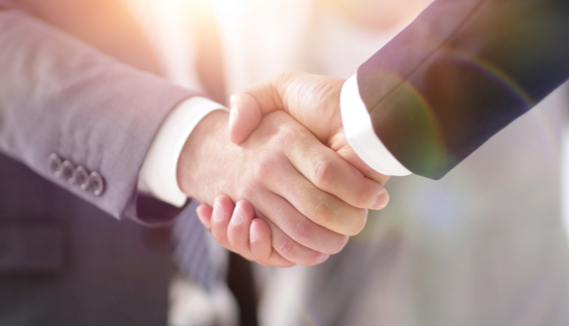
[
  {"x": 462, "y": 71},
  {"x": 59, "y": 96}
]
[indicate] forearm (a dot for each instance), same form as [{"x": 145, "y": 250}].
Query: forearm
[
  {"x": 61, "y": 96},
  {"x": 460, "y": 73}
]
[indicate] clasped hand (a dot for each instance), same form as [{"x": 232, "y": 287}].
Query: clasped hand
[{"x": 299, "y": 188}]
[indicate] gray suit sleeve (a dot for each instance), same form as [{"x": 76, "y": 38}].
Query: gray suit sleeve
[{"x": 59, "y": 96}]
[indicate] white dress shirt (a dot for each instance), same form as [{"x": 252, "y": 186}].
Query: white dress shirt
[
  {"x": 158, "y": 175},
  {"x": 361, "y": 136}
]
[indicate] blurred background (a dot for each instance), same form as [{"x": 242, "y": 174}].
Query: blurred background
[
  {"x": 483, "y": 246},
  {"x": 486, "y": 245}
]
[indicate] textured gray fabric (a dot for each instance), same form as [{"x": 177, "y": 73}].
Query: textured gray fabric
[
  {"x": 192, "y": 252},
  {"x": 57, "y": 95},
  {"x": 64, "y": 261}
]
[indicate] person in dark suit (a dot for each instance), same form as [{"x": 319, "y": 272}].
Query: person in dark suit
[
  {"x": 458, "y": 74},
  {"x": 462, "y": 71}
]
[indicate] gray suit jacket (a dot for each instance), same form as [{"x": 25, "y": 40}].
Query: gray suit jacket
[{"x": 63, "y": 261}]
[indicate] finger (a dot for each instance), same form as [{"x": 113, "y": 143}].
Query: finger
[
  {"x": 314, "y": 216},
  {"x": 260, "y": 238},
  {"x": 220, "y": 217},
  {"x": 348, "y": 154},
  {"x": 204, "y": 214},
  {"x": 261, "y": 246},
  {"x": 249, "y": 105},
  {"x": 321, "y": 208},
  {"x": 238, "y": 228},
  {"x": 292, "y": 251},
  {"x": 238, "y": 233},
  {"x": 331, "y": 173},
  {"x": 298, "y": 227},
  {"x": 277, "y": 211},
  {"x": 244, "y": 117}
]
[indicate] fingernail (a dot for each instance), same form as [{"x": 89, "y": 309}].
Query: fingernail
[
  {"x": 218, "y": 214},
  {"x": 254, "y": 235},
  {"x": 232, "y": 116},
  {"x": 381, "y": 201},
  {"x": 238, "y": 215}
]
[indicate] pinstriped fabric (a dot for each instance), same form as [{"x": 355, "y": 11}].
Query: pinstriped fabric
[{"x": 192, "y": 252}]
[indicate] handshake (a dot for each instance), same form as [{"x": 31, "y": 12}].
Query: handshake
[{"x": 281, "y": 186}]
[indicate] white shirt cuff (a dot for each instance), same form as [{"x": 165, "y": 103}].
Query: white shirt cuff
[
  {"x": 158, "y": 175},
  {"x": 360, "y": 134}
]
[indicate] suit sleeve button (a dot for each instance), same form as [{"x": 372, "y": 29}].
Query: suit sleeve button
[
  {"x": 68, "y": 171},
  {"x": 81, "y": 177},
  {"x": 96, "y": 184},
  {"x": 54, "y": 165}
]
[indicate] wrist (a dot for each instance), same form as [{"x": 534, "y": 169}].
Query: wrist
[{"x": 208, "y": 135}]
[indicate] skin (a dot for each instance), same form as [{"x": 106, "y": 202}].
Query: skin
[
  {"x": 236, "y": 228},
  {"x": 308, "y": 196},
  {"x": 314, "y": 102}
]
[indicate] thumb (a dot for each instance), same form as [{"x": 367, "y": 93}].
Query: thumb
[
  {"x": 248, "y": 107},
  {"x": 244, "y": 116}
]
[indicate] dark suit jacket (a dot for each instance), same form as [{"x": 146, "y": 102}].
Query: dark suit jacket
[
  {"x": 65, "y": 262},
  {"x": 462, "y": 71},
  {"x": 64, "y": 259}
]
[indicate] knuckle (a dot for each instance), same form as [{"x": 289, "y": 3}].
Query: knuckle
[
  {"x": 262, "y": 169},
  {"x": 303, "y": 231},
  {"x": 323, "y": 211},
  {"x": 285, "y": 246},
  {"x": 285, "y": 137},
  {"x": 323, "y": 172},
  {"x": 249, "y": 190}
]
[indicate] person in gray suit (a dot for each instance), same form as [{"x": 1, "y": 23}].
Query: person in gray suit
[{"x": 79, "y": 127}]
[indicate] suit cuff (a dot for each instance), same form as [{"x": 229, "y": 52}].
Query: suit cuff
[
  {"x": 158, "y": 175},
  {"x": 361, "y": 135}
]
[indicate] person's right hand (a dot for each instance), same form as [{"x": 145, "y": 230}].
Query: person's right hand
[
  {"x": 313, "y": 100},
  {"x": 309, "y": 196}
]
